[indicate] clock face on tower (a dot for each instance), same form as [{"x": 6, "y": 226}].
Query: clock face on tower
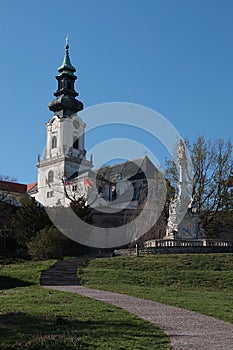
[{"x": 76, "y": 124}]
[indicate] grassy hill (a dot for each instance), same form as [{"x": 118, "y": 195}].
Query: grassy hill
[
  {"x": 202, "y": 283},
  {"x": 34, "y": 318}
]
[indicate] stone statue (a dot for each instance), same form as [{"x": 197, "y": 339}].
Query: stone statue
[{"x": 182, "y": 153}]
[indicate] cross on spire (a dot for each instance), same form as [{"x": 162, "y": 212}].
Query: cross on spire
[{"x": 67, "y": 40}]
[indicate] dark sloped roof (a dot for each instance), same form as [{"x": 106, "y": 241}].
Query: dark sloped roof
[
  {"x": 133, "y": 169},
  {"x": 8, "y": 186}
]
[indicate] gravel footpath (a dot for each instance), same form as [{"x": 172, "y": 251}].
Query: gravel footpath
[{"x": 187, "y": 330}]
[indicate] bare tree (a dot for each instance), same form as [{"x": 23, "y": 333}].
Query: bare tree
[
  {"x": 104, "y": 178},
  {"x": 7, "y": 178}
]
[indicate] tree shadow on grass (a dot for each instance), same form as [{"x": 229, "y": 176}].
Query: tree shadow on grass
[
  {"x": 7, "y": 282},
  {"x": 23, "y": 331}
]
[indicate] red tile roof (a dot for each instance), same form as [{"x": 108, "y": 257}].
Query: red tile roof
[{"x": 31, "y": 186}]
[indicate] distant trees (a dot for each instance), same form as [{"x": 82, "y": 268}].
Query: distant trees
[
  {"x": 8, "y": 178},
  {"x": 212, "y": 180}
]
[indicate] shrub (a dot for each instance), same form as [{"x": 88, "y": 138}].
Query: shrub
[{"x": 48, "y": 243}]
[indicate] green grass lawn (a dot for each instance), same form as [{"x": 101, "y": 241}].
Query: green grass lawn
[
  {"x": 202, "y": 283},
  {"x": 34, "y": 318}
]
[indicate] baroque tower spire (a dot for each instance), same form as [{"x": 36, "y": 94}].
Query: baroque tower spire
[
  {"x": 66, "y": 103},
  {"x": 65, "y": 154}
]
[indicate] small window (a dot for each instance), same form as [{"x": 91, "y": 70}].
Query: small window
[
  {"x": 50, "y": 194},
  {"x": 54, "y": 142},
  {"x": 74, "y": 188},
  {"x": 50, "y": 176},
  {"x": 69, "y": 85},
  {"x": 76, "y": 143}
]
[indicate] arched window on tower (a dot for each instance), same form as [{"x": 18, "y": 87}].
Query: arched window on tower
[
  {"x": 54, "y": 142},
  {"x": 50, "y": 176},
  {"x": 76, "y": 143}
]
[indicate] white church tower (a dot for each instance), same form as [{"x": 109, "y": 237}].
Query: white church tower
[{"x": 65, "y": 153}]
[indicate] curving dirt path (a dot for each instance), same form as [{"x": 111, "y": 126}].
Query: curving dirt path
[{"x": 188, "y": 330}]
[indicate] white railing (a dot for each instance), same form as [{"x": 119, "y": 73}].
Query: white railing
[{"x": 187, "y": 243}]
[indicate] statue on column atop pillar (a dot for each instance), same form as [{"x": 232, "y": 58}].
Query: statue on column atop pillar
[
  {"x": 185, "y": 177},
  {"x": 184, "y": 222},
  {"x": 182, "y": 152}
]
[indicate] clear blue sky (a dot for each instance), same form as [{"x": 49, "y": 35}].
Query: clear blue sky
[{"x": 173, "y": 56}]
